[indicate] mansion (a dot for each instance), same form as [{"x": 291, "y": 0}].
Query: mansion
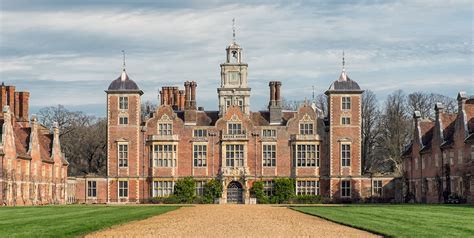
[
  {"x": 146, "y": 155},
  {"x": 33, "y": 170},
  {"x": 439, "y": 162}
]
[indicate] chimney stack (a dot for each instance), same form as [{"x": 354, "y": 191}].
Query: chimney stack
[
  {"x": 24, "y": 104},
  {"x": 193, "y": 95},
  {"x": 462, "y": 97},
  {"x": 190, "y": 103},
  {"x": 3, "y": 98},
  {"x": 11, "y": 97},
  {"x": 181, "y": 99},
  {"x": 274, "y": 106},
  {"x": 161, "y": 96},
  {"x": 277, "y": 93},
  {"x": 187, "y": 95},
  {"x": 175, "y": 98},
  {"x": 439, "y": 109}
]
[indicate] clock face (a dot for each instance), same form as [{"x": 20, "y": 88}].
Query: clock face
[{"x": 234, "y": 78}]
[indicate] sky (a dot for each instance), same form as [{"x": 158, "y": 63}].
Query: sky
[{"x": 68, "y": 52}]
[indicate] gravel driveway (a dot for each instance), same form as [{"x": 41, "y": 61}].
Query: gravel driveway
[{"x": 232, "y": 221}]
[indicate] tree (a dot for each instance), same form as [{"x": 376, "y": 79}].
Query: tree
[
  {"x": 147, "y": 108},
  {"x": 184, "y": 189},
  {"x": 291, "y": 105},
  {"x": 395, "y": 130},
  {"x": 67, "y": 120},
  {"x": 424, "y": 103},
  {"x": 419, "y": 101},
  {"x": 83, "y": 138},
  {"x": 450, "y": 104},
  {"x": 212, "y": 190},
  {"x": 322, "y": 103},
  {"x": 258, "y": 192},
  {"x": 284, "y": 190},
  {"x": 370, "y": 130}
]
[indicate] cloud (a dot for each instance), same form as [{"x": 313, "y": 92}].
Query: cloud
[{"x": 74, "y": 48}]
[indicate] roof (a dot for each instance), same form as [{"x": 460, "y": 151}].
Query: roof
[
  {"x": 22, "y": 140},
  {"x": 344, "y": 83},
  {"x": 408, "y": 149},
  {"x": 427, "y": 128},
  {"x": 46, "y": 146},
  {"x": 260, "y": 118},
  {"x": 124, "y": 83},
  {"x": 448, "y": 121},
  {"x": 206, "y": 118}
]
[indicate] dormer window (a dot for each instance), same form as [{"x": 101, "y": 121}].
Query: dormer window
[
  {"x": 234, "y": 128},
  {"x": 123, "y": 103},
  {"x": 165, "y": 128},
  {"x": 346, "y": 103},
  {"x": 306, "y": 128}
]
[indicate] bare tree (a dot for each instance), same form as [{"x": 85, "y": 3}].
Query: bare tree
[
  {"x": 449, "y": 103},
  {"x": 147, "y": 108},
  {"x": 395, "y": 129},
  {"x": 291, "y": 105},
  {"x": 67, "y": 120},
  {"x": 419, "y": 101},
  {"x": 424, "y": 102},
  {"x": 322, "y": 103},
  {"x": 370, "y": 130},
  {"x": 83, "y": 138}
]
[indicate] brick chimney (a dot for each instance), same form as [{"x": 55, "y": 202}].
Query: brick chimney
[
  {"x": 187, "y": 95},
  {"x": 23, "y": 106},
  {"x": 190, "y": 103},
  {"x": 161, "y": 96},
  {"x": 416, "y": 118},
  {"x": 182, "y": 95},
  {"x": 11, "y": 97},
  {"x": 274, "y": 106},
  {"x": 193, "y": 94},
  {"x": 439, "y": 109},
  {"x": 175, "y": 98},
  {"x": 164, "y": 93},
  {"x": 3, "y": 98},
  {"x": 462, "y": 97}
]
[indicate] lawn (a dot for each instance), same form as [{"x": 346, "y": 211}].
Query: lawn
[
  {"x": 402, "y": 220},
  {"x": 69, "y": 221}
]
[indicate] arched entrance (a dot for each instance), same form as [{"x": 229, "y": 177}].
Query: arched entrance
[{"x": 234, "y": 192}]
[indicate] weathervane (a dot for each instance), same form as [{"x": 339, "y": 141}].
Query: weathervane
[
  {"x": 343, "y": 61},
  {"x": 233, "y": 29},
  {"x": 123, "y": 54}
]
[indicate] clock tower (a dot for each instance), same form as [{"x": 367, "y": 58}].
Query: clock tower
[{"x": 234, "y": 89}]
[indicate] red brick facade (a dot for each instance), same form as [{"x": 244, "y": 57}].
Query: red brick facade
[
  {"x": 439, "y": 163},
  {"x": 32, "y": 170},
  {"x": 145, "y": 156}
]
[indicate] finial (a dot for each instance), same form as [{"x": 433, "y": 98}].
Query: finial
[
  {"x": 343, "y": 61},
  {"x": 123, "y": 54},
  {"x": 313, "y": 93},
  {"x": 233, "y": 29}
]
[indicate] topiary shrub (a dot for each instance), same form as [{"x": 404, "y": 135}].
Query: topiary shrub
[
  {"x": 212, "y": 190},
  {"x": 184, "y": 190},
  {"x": 258, "y": 192},
  {"x": 284, "y": 190}
]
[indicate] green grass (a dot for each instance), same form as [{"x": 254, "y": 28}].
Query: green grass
[
  {"x": 402, "y": 220},
  {"x": 69, "y": 221}
]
